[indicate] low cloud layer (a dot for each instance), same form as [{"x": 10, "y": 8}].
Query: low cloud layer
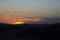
[{"x": 11, "y": 20}]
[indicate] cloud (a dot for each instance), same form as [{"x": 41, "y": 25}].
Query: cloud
[
  {"x": 15, "y": 12},
  {"x": 31, "y": 19}
]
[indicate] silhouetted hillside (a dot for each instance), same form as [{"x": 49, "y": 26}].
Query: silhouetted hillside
[{"x": 30, "y": 31}]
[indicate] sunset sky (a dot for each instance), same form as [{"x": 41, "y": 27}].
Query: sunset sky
[{"x": 13, "y": 10}]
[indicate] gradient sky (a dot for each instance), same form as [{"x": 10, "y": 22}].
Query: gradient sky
[{"x": 30, "y": 8}]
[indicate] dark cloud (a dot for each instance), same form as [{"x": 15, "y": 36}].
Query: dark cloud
[{"x": 15, "y": 12}]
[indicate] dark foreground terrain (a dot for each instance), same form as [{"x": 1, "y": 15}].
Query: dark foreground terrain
[{"x": 30, "y": 32}]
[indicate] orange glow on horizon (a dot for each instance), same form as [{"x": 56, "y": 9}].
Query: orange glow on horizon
[
  {"x": 21, "y": 20},
  {"x": 18, "y": 23}
]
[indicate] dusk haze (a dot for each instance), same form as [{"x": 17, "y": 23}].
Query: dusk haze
[
  {"x": 29, "y": 19},
  {"x": 16, "y": 10}
]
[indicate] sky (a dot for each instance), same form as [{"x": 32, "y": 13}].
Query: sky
[{"x": 30, "y": 8}]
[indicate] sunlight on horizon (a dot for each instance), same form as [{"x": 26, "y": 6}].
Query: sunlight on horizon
[
  {"x": 21, "y": 20},
  {"x": 18, "y": 23}
]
